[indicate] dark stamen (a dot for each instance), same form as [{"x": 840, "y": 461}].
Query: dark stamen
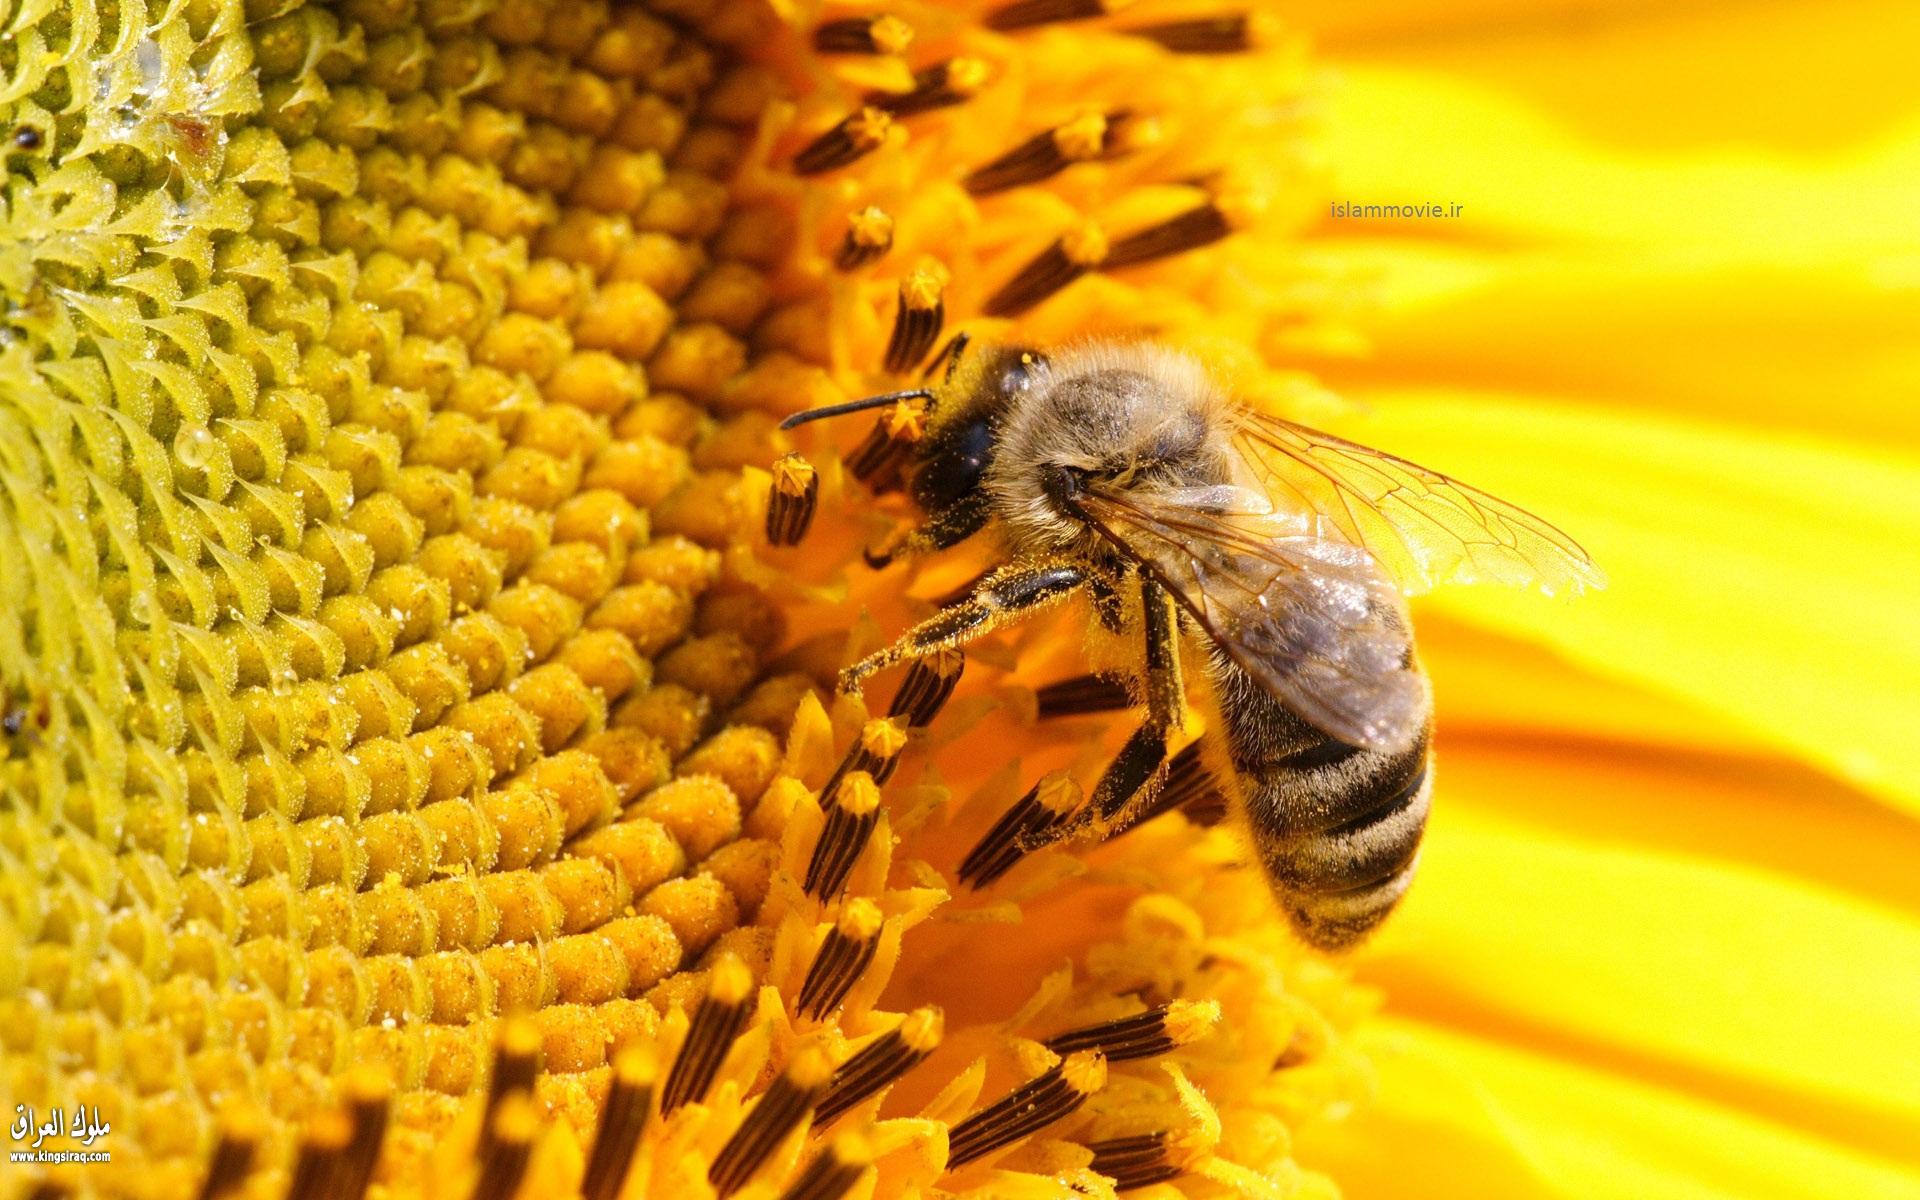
[
  {"x": 1134, "y": 1162},
  {"x": 369, "y": 1097},
  {"x": 516, "y": 1059},
  {"x": 1231, "y": 33},
  {"x": 785, "y": 1106},
  {"x": 1033, "y": 1105},
  {"x": 863, "y": 35},
  {"x": 1189, "y": 787},
  {"x": 1045, "y": 807},
  {"x": 715, "y": 1025},
  {"x": 321, "y": 1151},
  {"x": 1023, "y": 14},
  {"x": 916, "y": 325},
  {"x": 1084, "y": 694},
  {"x": 1189, "y": 231},
  {"x": 240, "y": 1135},
  {"x": 791, "y": 503},
  {"x": 1084, "y": 139},
  {"x": 869, "y": 236},
  {"x": 1048, "y": 272},
  {"x": 856, "y": 136},
  {"x": 880, "y": 1062},
  {"x": 621, "y": 1123},
  {"x": 834, "y": 1173},
  {"x": 927, "y": 687},
  {"x": 1142, "y": 1035},
  {"x": 877, "y": 461},
  {"x": 876, "y": 751},
  {"x": 503, "y": 1165},
  {"x": 938, "y": 86},
  {"x": 846, "y": 951},
  {"x": 853, "y": 809}
]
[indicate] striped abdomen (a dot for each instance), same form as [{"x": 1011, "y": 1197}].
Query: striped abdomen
[{"x": 1337, "y": 829}]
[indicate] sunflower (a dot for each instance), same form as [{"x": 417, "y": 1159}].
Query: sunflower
[{"x": 424, "y": 774}]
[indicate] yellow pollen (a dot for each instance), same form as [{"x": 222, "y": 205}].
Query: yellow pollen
[
  {"x": 1188, "y": 1020},
  {"x": 810, "y": 1068},
  {"x": 857, "y": 794},
  {"x": 1085, "y": 246},
  {"x": 923, "y": 1029},
  {"x": 1085, "y": 1072},
  {"x": 923, "y": 289},
  {"x": 793, "y": 474},
  {"x": 906, "y": 421},
  {"x": 869, "y": 127},
  {"x": 731, "y": 983},
  {"x": 860, "y": 919},
  {"x": 890, "y": 34},
  {"x": 883, "y": 738},
  {"x": 1082, "y": 138},
  {"x": 871, "y": 227},
  {"x": 1059, "y": 793},
  {"x": 967, "y": 75}
]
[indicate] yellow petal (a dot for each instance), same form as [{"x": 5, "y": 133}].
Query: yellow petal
[
  {"x": 1738, "y": 982},
  {"x": 1770, "y": 578},
  {"x": 1471, "y": 1118}
]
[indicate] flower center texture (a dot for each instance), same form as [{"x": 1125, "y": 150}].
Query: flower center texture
[{"x": 423, "y": 770}]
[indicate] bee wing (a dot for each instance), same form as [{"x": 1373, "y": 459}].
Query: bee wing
[
  {"x": 1426, "y": 528},
  {"x": 1314, "y": 621}
]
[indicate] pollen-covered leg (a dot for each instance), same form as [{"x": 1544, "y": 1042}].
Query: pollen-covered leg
[
  {"x": 1008, "y": 594},
  {"x": 1123, "y": 789}
]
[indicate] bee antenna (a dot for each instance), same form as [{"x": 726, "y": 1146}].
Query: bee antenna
[{"x": 854, "y": 406}]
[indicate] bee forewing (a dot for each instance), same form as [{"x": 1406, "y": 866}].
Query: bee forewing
[
  {"x": 1314, "y": 621},
  {"x": 1424, "y": 527}
]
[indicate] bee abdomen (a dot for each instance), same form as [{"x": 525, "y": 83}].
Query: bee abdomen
[{"x": 1337, "y": 828}]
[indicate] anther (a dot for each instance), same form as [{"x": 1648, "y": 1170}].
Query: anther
[
  {"x": 1189, "y": 787},
  {"x": 516, "y": 1059},
  {"x": 833, "y": 1174},
  {"x": 1142, "y": 1035},
  {"x": 863, "y": 35},
  {"x": 369, "y": 1097},
  {"x": 1083, "y": 250},
  {"x": 938, "y": 86},
  {"x": 869, "y": 237},
  {"x": 927, "y": 687},
  {"x": 1083, "y": 694},
  {"x": 503, "y": 1164},
  {"x": 1033, "y": 1105},
  {"x": 1083, "y": 139},
  {"x": 1189, "y": 231},
  {"x": 716, "y": 1023},
  {"x": 853, "y": 810},
  {"x": 880, "y": 1062},
  {"x": 1134, "y": 1162},
  {"x": 1023, "y": 14},
  {"x": 1043, "y": 810},
  {"x": 857, "y": 135},
  {"x": 1229, "y": 33},
  {"x": 876, "y": 751},
  {"x": 917, "y": 322},
  {"x": 843, "y": 956},
  {"x": 621, "y": 1122},
  {"x": 321, "y": 1151},
  {"x": 877, "y": 461},
  {"x": 241, "y": 1131},
  {"x": 792, "y": 500},
  {"x": 786, "y": 1104}
]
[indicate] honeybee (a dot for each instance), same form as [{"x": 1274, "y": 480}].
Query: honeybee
[{"x": 1275, "y": 556}]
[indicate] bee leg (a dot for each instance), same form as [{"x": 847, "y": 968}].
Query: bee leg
[
  {"x": 1008, "y": 594},
  {"x": 1127, "y": 778},
  {"x": 1122, "y": 791}
]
